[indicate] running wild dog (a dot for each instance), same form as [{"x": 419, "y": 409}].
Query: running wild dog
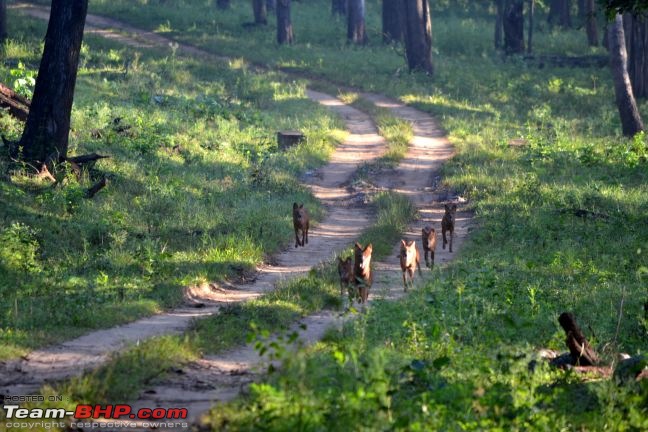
[
  {"x": 409, "y": 258},
  {"x": 448, "y": 223},
  {"x": 345, "y": 270},
  {"x": 428, "y": 236},
  {"x": 300, "y": 222},
  {"x": 362, "y": 276}
]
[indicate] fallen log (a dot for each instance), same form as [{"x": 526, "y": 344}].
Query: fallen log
[
  {"x": 581, "y": 352},
  {"x": 92, "y": 191},
  {"x": 18, "y": 105}
]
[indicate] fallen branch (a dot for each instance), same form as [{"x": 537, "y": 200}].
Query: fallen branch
[
  {"x": 17, "y": 104},
  {"x": 581, "y": 352},
  {"x": 92, "y": 191}
]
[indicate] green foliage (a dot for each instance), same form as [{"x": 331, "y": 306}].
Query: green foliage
[
  {"x": 24, "y": 80},
  {"x": 197, "y": 188}
]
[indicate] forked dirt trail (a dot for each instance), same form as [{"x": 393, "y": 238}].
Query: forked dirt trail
[
  {"x": 219, "y": 378},
  {"x": 342, "y": 224}
]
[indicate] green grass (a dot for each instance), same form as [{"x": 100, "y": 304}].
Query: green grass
[
  {"x": 454, "y": 355},
  {"x": 127, "y": 372},
  {"x": 198, "y": 190}
]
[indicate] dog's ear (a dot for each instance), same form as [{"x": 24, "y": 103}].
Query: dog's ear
[
  {"x": 454, "y": 207},
  {"x": 369, "y": 248},
  {"x": 301, "y": 206},
  {"x": 403, "y": 243},
  {"x": 294, "y": 206},
  {"x": 447, "y": 207},
  {"x": 358, "y": 246}
]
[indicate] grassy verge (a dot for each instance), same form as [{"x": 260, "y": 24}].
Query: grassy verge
[{"x": 198, "y": 190}]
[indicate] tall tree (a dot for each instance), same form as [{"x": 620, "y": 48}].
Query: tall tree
[
  {"x": 356, "y": 31},
  {"x": 499, "y": 23},
  {"x": 339, "y": 7},
  {"x": 590, "y": 23},
  {"x": 636, "y": 38},
  {"x": 392, "y": 22},
  {"x": 260, "y": 10},
  {"x": 47, "y": 128},
  {"x": 514, "y": 27},
  {"x": 560, "y": 13},
  {"x": 418, "y": 35},
  {"x": 284, "y": 25},
  {"x": 530, "y": 31},
  {"x": 3, "y": 20},
  {"x": 631, "y": 122}
]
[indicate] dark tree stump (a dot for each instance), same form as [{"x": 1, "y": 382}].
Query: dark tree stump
[
  {"x": 286, "y": 139},
  {"x": 514, "y": 28},
  {"x": 581, "y": 351}
]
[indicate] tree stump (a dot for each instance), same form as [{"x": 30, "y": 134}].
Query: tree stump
[
  {"x": 286, "y": 139},
  {"x": 581, "y": 352}
]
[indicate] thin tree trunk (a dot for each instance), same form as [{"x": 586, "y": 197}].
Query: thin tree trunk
[
  {"x": 514, "y": 28},
  {"x": 339, "y": 7},
  {"x": 560, "y": 13},
  {"x": 284, "y": 25},
  {"x": 530, "y": 31},
  {"x": 271, "y": 5},
  {"x": 582, "y": 9},
  {"x": 499, "y": 23},
  {"x": 631, "y": 122},
  {"x": 636, "y": 37},
  {"x": 223, "y": 4},
  {"x": 3, "y": 20},
  {"x": 418, "y": 35},
  {"x": 590, "y": 23},
  {"x": 260, "y": 12},
  {"x": 392, "y": 22},
  {"x": 48, "y": 125},
  {"x": 356, "y": 32}
]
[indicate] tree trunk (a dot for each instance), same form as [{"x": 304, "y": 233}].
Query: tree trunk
[
  {"x": 392, "y": 22},
  {"x": 530, "y": 31},
  {"x": 631, "y": 122},
  {"x": 418, "y": 35},
  {"x": 223, "y": 4},
  {"x": 284, "y": 25},
  {"x": 3, "y": 20},
  {"x": 260, "y": 12},
  {"x": 590, "y": 22},
  {"x": 356, "y": 32},
  {"x": 48, "y": 125},
  {"x": 559, "y": 13},
  {"x": 636, "y": 37},
  {"x": 582, "y": 9},
  {"x": 514, "y": 28},
  {"x": 581, "y": 351},
  {"x": 339, "y": 7},
  {"x": 271, "y": 5},
  {"x": 499, "y": 23}
]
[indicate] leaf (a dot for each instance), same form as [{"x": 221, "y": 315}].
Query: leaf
[{"x": 441, "y": 362}]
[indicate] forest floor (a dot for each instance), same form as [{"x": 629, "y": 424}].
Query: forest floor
[{"x": 212, "y": 378}]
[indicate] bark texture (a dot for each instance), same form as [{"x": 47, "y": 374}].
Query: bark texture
[
  {"x": 260, "y": 12},
  {"x": 514, "y": 27},
  {"x": 418, "y": 35},
  {"x": 356, "y": 31},
  {"x": 636, "y": 38},
  {"x": 392, "y": 22},
  {"x": 590, "y": 22},
  {"x": 631, "y": 122},
  {"x": 48, "y": 125},
  {"x": 284, "y": 25}
]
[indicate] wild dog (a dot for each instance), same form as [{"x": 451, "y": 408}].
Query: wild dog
[
  {"x": 300, "y": 223},
  {"x": 448, "y": 223},
  {"x": 409, "y": 258},
  {"x": 362, "y": 276},
  {"x": 428, "y": 237},
  {"x": 345, "y": 270}
]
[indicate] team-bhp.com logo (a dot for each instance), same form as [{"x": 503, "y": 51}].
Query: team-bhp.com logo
[{"x": 114, "y": 416}]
